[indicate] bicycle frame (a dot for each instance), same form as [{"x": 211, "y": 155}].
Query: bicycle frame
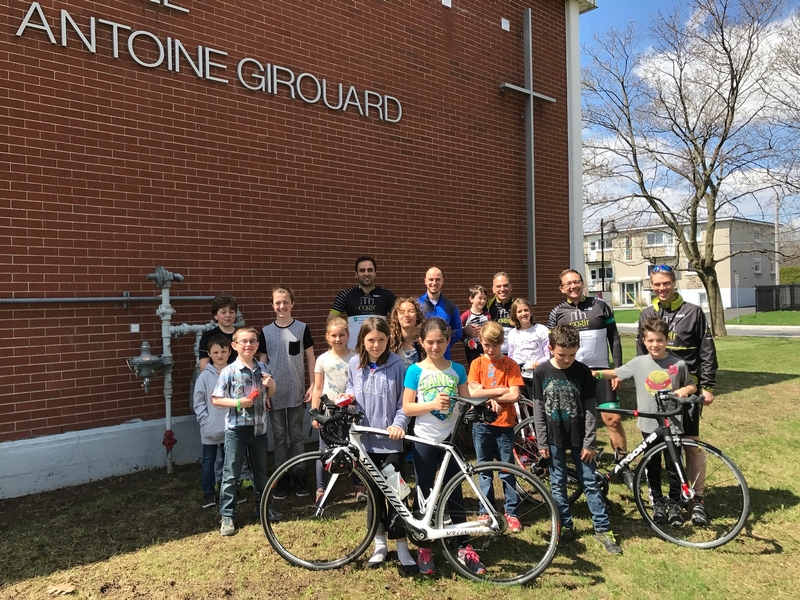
[
  {"x": 423, "y": 528},
  {"x": 668, "y": 431}
]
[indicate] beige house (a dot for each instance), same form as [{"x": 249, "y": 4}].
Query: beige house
[{"x": 626, "y": 257}]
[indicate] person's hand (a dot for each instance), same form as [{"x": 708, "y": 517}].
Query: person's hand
[
  {"x": 246, "y": 402},
  {"x": 681, "y": 393},
  {"x": 534, "y": 364},
  {"x": 708, "y": 397},
  {"x": 309, "y": 391},
  {"x": 545, "y": 452},
  {"x": 442, "y": 402},
  {"x": 587, "y": 455},
  {"x": 494, "y": 405},
  {"x": 395, "y": 433},
  {"x": 265, "y": 379},
  {"x": 475, "y": 385},
  {"x": 469, "y": 331},
  {"x": 315, "y": 424},
  {"x": 268, "y": 403},
  {"x": 615, "y": 384}
]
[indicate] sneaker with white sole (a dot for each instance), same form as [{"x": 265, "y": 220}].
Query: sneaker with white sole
[
  {"x": 227, "y": 527},
  {"x": 608, "y": 541},
  {"x": 209, "y": 500},
  {"x": 698, "y": 511},
  {"x": 514, "y": 526},
  {"x": 470, "y": 559},
  {"x": 425, "y": 561}
]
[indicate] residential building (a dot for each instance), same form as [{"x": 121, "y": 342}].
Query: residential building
[{"x": 624, "y": 259}]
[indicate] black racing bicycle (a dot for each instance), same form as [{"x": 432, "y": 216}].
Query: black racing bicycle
[{"x": 697, "y": 470}]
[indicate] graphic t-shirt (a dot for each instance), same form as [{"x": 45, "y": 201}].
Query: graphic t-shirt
[
  {"x": 472, "y": 346},
  {"x": 564, "y": 405},
  {"x": 527, "y": 346},
  {"x": 651, "y": 376},
  {"x": 357, "y": 307},
  {"x": 498, "y": 374},
  {"x": 285, "y": 349},
  {"x": 594, "y": 320},
  {"x": 501, "y": 312},
  {"x": 334, "y": 371},
  {"x": 435, "y": 425}
]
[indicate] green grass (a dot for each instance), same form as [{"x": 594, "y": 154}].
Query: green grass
[
  {"x": 777, "y": 317},
  {"x": 627, "y": 315},
  {"x": 145, "y": 536}
]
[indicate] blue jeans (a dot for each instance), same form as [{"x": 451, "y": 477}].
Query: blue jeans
[
  {"x": 208, "y": 476},
  {"x": 558, "y": 486},
  {"x": 491, "y": 441},
  {"x": 287, "y": 432},
  {"x": 237, "y": 441}
]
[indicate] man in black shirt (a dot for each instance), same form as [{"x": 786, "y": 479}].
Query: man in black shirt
[{"x": 365, "y": 300}]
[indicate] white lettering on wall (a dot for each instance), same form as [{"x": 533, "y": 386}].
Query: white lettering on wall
[{"x": 149, "y": 50}]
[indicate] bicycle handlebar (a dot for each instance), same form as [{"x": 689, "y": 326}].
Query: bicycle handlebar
[{"x": 660, "y": 398}]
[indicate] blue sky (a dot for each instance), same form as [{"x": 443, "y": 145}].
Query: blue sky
[{"x": 617, "y": 13}]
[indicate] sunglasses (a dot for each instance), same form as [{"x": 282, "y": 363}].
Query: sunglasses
[{"x": 662, "y": 269}]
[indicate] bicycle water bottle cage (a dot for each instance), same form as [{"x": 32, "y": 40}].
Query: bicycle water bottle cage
[{"x": 337, "y": 462}]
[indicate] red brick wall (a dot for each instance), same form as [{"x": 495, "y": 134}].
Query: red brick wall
[{"x": 110, "y": 169}]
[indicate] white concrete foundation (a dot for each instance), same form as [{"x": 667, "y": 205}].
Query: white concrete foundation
[{"x": 58, "y": 461}]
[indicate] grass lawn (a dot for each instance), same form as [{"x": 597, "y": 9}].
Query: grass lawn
[
  {"x": 627, "y": 315},
  {"x": 145, "y": 536},
  {"x": 777, "y": 317}
]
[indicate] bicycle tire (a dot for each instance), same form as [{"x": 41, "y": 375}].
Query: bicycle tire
[
  {"x": 526, "y": 456},
  {"x": 509, "y": 558},
  {"x": 726, "y": 495},
  {"x": 331, "y": 540}
]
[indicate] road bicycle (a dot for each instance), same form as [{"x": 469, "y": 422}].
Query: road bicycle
[
  {"x": 714, "y": 476},
  {"x": 336, "y": 529},
  {"x": 527, "y": 456}
]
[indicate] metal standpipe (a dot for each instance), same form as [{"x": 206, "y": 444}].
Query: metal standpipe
[{"x": 163, "y": 279}]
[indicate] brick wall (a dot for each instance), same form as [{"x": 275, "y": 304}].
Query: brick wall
[{"x": 110, "y": 169}]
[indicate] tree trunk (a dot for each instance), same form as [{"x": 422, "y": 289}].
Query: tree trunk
[{"x": 717, "y": 309}]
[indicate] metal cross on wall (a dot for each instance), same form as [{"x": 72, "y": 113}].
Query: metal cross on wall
[{"x": 529, "y": 176}]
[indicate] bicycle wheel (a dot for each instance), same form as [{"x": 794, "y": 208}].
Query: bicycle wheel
[
  {"x": 509, "y": 558},
  {"x": 725, "y": 492},
  {"x": 325, "y": 537},
  {"x": 526, "y": 455}
]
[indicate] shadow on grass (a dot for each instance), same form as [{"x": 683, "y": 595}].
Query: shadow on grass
[
  {"x": 736, "y": 381},
  {"x": 51, "y": 531}
]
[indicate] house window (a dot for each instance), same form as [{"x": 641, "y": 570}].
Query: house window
[
  {"x": 628, "y": 248},
  {"x": 596, "y": 245},
  {"x": 698, "y": 236},
  {"x": 689, "y": 269},
  {"x": 772, "y": 267},
  {"x": 597, "y": 274},
  {"x": 757, "y": 266},
  {"x": 658, "y": 238}
]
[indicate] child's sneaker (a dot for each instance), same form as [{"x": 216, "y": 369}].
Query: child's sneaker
[
  {"x": 699, "y": 514},
  {"x": 227, "y": 527},
  {"x": 299, "y": 484},
  {"x": 484, "y": 519},
  {"x": 674, "y": 513},
  {"x": 209, "y": 500},
  {"x": 281, "y": 489},
  {"x": 425, "y": 561},
  {"x": 566, "y": 535},
  {"x": 470, "y": 559},
  {"x": 608, "y": 541},
  {"x": 660, "y": 511},
  {"x": 514, "y": 526}
]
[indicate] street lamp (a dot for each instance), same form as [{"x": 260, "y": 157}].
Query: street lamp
[{"x": 612, "y": 233}]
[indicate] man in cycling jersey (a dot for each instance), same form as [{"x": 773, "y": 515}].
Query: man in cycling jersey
[{"x": 362, "y": 301}]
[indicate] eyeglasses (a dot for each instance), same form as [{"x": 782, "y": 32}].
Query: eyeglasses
[
  {"x": 246, "y": 342},
  {"x": 662, "y": 269},
  {"x": 571, "y": 283}
]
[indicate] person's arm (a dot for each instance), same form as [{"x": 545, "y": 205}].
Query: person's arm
[
  {"x": 605, "y": 374},
  {"x": 316, "y": 395},
  {"x": 640, "y": 348},
  {"x": 339, "y": 307},
  {"x": 688, "y": 388},
  {"x": 261, "y": 353},
  {"x": 708, "y": 359},
  {"x": 455, "y": 325},
  {"x": 539, "y": 417},
  {"x": 200, "y": 401},
  {"x": 397, "y": 430},
  {"x": 589, "y": 450},
  {"x": 311, "y": 361}
]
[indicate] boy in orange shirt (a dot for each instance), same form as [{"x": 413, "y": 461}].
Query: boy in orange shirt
[{"x": 497, "y": 377}]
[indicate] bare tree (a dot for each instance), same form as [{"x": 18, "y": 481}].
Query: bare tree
[{"x": 681, "y": 129}]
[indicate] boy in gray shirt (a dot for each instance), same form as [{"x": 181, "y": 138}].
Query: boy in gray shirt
[{"x": 656, "y": 371}]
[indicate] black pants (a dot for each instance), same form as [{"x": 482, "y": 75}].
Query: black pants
[
  {"x": 654, "y": 474},
  {"x": 426, "y": 463},
  {"x": 386, "y": 514}
]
